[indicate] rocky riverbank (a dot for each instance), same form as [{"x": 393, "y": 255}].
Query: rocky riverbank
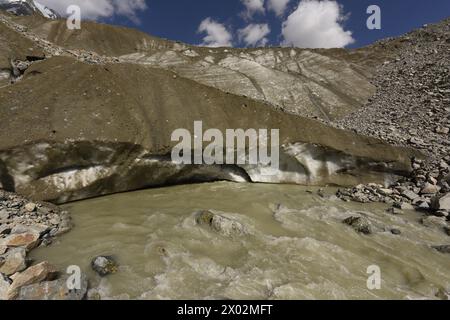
[
  {"x": 412, "y": 108},
  {"x": 24, "y": 226}
]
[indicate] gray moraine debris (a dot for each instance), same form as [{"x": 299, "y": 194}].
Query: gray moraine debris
[{"x": 25, "y": 225}]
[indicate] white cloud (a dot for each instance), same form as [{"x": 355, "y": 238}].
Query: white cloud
[
  {"x": 278, "y": 6},
  {"x": 254, "y": 34},
  {"x": 253, "y": 6},
  {"x": 96, "y": 9},
  {"x": 316, "y": 24},
  {"x": 217, "y": 34}
]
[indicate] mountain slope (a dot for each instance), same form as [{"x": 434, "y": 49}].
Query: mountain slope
[
  {"x": 78, "y": 125},
  {"x": 326, "y": 84}
]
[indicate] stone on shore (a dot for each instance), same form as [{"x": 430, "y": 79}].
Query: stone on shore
[
  {"x": 35, "y": 274},
  {"x": 429, "y": 189},
  {"x": 39, "y": 228},
  {"x": 15, "y": 261},
  {"x": 54, "y": 290},
  {"x": 409, "y": 195},
  {"x": 5, "y": 284},
  {"x": 28, "y": 240},
  {"x": 30, "y": 207},
  {"x": 441, "y": 203}
]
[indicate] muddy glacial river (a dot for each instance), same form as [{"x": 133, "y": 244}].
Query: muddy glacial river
[{"x": 295, "y": 246}]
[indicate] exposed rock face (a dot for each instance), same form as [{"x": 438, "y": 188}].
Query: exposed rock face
[{"x": 80, "y": 128}]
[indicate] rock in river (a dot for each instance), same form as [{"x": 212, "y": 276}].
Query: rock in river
[
  {"x": 104, "y": 265},
  {"x": 443, "y": 249},
  {"x": 221, "y": 224},
  {"x": 360, "y": 224}
]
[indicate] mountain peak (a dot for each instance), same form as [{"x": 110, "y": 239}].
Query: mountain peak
[{"x": 27, "y": 7}]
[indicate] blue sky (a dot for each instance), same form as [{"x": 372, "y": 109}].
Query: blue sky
[{"x": 180, "y": 20}]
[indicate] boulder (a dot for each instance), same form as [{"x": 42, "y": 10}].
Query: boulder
[
  {"x": 4, "y": 214},
  {"x": 429, "y": 189},
  {"x": 14, "y": 261},
  {"x": 28, "y": 240},
  {"x": 104, "y": 265},
  {"x": 35, "y": 274},
  {"x": 53, "y": 290},
  {"x": 221, "y": 224},
  {"x": 410, "y": 195},
  {"x": 30, "y": 207},
  {"x": 360, "y": 224},
  {"x": 39, "y": 228},
  {"x": 385, "y": 192},
  {"x": 5, "y": 284},
  {"x": 441, "y": 202}
]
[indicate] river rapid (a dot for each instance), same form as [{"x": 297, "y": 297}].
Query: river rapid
[{"x": 295, "y": 246}]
